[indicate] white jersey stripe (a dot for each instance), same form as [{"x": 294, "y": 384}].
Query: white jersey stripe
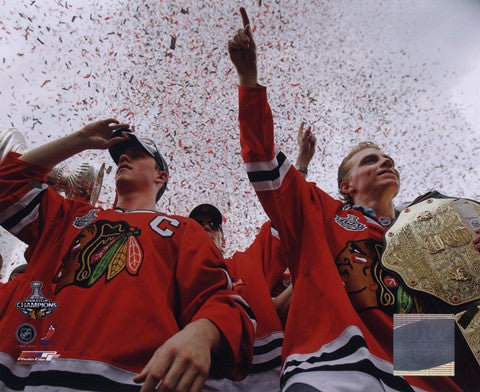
[
  {"x": 275, "y": 233},
  {"x": 248, "y": 311},
  {"x": 273, "y": 180},
  {"x": 341, "y": 381},
  {"x": 264, "y": 344},
  {"x": 22, "y": 203},
  {"x": 32, "y": 217},
  {"x": 338, "y": 343},
  {"x": 78, "y": 366},
  {"x": 262, "y": 165},
  {"x": 312, "y": 367},
  {"x": 275, "y": 353}
]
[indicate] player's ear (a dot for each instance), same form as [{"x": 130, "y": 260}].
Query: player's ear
[
  {"x": 345, "y": 187},
  {"x": 161, "y": 177}
]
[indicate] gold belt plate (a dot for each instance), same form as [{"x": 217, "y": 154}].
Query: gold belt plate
[{"x": 430, "y": 247}]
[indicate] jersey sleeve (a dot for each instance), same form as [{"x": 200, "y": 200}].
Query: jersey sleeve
[
  {"x": 27, "y": 205},
  {"x": 283, "y": 192},
  {"x": 267, "y": 250},
  {"x": 275, "y": 259},
  {"x": 206, "y": 291}
]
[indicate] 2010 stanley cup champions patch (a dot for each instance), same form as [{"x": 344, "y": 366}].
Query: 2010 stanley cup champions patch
[
  {"x": 36, "y": 305},
  {"x": 350, "y": 222},
  {"x": 101, "y": 248}
]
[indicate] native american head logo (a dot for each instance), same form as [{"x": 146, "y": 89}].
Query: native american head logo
[
  {"x": 367, "y": 285},
  {"x": 101, "y": 248}
]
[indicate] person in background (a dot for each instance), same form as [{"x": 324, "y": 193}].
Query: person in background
[{"x": 256, "y": 273}]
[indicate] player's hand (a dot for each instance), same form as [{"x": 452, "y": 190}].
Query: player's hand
[
  {"x": 306, "y": 145},
  {"x": 182, "y": 363},
  {"x": 97, "y": 134},
  {"x": 476, "y": 240},
  {"x": 243, "y": 53}
]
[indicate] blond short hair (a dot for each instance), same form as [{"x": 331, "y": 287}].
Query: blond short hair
[{"x": 344, "y": 167}]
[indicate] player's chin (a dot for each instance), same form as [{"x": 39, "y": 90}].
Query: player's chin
[
  {"x": 395, "y": 188},
  {"x": 389, "y": 178},
  {"x": 392, "y": 185},
  {"x": 122, "y": 173}
]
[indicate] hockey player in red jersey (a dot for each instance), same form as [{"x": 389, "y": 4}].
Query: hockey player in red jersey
[
  {"x": 338, "y": 335},
  {"x": 257, "y": 272},
  {"x": 130, "y": 295},
  {"x": 254, "y": 273}
]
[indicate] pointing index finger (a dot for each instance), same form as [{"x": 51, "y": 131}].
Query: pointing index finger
[{"x": 245, "y": 19}]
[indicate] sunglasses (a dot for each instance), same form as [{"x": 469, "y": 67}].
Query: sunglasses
[{"x": 211, "y": 224}]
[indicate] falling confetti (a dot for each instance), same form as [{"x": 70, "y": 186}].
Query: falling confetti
[{"x": 354, "y": 70}]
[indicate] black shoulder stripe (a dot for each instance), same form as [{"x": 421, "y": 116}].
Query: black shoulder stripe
[
  {"x": 264, "y": 366},
  {"x": 364, "y": 366},
  {"x": 268, "y": 175},
  {"x": 266, "y": 348},
  {"x": 356, "y": 342},
  {"x": 11, "y": 222},
  {"x": 247, "y": 309}
]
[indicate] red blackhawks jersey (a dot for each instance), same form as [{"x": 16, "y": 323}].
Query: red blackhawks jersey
[
  {"x": 106, "y": 288},
  {"x": 254, "y": 273},
  {"x": 339, "y": 329}
]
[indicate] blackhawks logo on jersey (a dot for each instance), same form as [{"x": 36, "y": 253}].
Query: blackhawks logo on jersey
[
  {"x": 366, "y": 283},
  {"x": 102, "y": 248}
]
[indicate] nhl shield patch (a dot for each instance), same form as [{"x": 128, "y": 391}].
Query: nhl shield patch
[
  {"x": 350, "y": 222},
  {"x": 26, "y": 333}
]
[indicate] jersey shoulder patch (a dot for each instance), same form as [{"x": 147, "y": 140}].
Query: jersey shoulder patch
[
  {"x": 82, "y": 221},
  {"x": 350, "y": 223}
]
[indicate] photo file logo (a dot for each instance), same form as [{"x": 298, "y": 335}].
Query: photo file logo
[{"x": 37, "y": 356}]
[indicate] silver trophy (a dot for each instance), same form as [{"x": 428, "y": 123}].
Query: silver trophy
[{"x": 82, "y": 183}]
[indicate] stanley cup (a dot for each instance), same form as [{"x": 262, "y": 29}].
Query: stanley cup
[{"x": 82, "y": 183}]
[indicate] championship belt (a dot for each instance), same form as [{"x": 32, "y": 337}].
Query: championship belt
[
  {"x": 430, "y": 246},
  {"x": 82, "y": 183}
]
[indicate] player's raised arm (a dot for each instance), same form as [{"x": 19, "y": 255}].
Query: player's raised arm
[
  {"x": 92, "y": 136},
  {"x": 243, "y": 53}
]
